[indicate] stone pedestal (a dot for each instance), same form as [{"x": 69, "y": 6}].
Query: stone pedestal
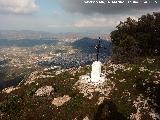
[
  {"x": 96, "y": 71},
  {"x": 96, "y": 76}
]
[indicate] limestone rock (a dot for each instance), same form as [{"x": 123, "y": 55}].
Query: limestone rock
[
  {"x": 86, "y": 118},
  {"x": 45, "y": 90},
  {"x": 61, "y": 100},
  {"x": 9, "y": 89}
]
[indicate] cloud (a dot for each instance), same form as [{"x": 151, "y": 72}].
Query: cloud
[
  {"x": 102, "y": 22},
  {"x": 96, "y": 22},
  {"x": 79, "y": 6},
  {"x": 18, "y": 6}
]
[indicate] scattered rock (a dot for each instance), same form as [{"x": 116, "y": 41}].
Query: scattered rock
[
  {"x": 154, "y": 115},
  {"x": 1, "y": 115},
  {"x": 142, "y": 106},
  {"x": 32, "y": 77},
  {"x": 45, "y": 90},
  {"x": 100, "y": 100},
  {"x": 59, "y": 72},
  {"x": 116, "y": 67},
  {"x": 86, "y": 118},
  {"x": 9, "y": 89},
  {"x": 142, "y": 69},
  {"x": 88, "y": 88},
  {"x": 150, "y": 61},
  {"x": 60, "y": 100},
  {"x": 90, "y": 97},
  {"x": 123, "y": 80}
]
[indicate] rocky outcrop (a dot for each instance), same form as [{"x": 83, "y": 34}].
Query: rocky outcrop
[
  {"x": 61, "y": 100},
  {"x": 44, "y": 91}
]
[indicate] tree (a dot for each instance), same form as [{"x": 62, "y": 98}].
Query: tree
[{"x": 137, "y": 38}]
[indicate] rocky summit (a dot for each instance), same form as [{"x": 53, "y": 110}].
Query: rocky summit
[{"x": 130, "y": 91}]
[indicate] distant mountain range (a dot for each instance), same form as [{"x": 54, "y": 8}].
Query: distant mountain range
[
  {"x": 28, "y": 34},
  {"x": 26, "y": 42},
  {"x": 25, "y": 34}
]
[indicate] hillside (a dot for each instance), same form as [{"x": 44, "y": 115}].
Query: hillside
[
  {"x": 131, "y": 91},
  {"x": 87, "y": 45}
]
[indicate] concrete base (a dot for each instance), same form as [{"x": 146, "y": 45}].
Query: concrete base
[{"x": 96, "y": 76}]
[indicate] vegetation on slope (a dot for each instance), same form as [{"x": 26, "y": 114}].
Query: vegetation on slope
[
  {"x": 135, "y": 94},
  {"x": 137, "y": 38}
]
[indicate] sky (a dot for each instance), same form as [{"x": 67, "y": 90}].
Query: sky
[{"x": 80, "y": 16}]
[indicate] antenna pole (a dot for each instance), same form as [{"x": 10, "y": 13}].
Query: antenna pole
[
  {"x": 98, "y": 46},
  {"x": 97, "y": 56}
]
